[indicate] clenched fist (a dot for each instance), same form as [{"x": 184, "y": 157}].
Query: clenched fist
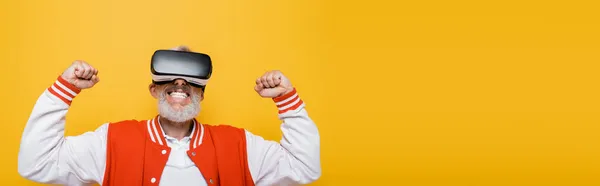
[
  {"x": 81, "y": 75},
  {"x": 273, "y": 84}
]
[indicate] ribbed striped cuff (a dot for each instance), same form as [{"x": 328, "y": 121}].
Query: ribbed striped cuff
[
  {"x": 64, "y": 90},
  {"x": 287, "y": 102}
]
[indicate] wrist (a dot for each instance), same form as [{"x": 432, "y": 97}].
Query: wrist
[
  {"x": 64, "y": 90},
  {"x": 288, "y": 101},
  {"x": 287, "y": 91}
]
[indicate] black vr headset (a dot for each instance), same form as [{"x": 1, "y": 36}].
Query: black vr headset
[{"x": 169, "y": 65}]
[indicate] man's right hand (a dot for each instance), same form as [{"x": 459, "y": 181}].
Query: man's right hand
[{"x": 81, "y": 75}]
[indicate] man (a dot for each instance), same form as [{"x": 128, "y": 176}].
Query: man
[{"x": 171, "y": 148}]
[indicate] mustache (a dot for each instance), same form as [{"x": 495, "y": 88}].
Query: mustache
[{"x": 183, "y": 88}]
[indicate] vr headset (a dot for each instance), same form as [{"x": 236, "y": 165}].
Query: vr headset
[{"x": 169, "y": 65}]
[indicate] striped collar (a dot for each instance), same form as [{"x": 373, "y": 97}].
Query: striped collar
[{"x": 157, "y": 135}]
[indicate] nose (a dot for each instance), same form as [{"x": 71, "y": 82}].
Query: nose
[{"x": 180, "y": 82}]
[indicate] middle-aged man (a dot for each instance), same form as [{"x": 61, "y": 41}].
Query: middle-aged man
[{"x": 172, "y": 148}]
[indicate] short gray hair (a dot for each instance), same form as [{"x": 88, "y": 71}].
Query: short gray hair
[{"x": 181, "y": 48}]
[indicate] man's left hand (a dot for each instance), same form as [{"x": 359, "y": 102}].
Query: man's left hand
[{"x": 273, "y": 84}]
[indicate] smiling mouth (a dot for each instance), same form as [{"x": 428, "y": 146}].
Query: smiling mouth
[{"x": 178, "y": 94}]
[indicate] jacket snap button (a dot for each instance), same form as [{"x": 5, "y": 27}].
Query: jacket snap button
[
  {"x": 153, "y": 180},
  {"x": 211, "y": 182},
  {"x": 164, "y": 151},
  {"x": 193, "y": 153}
]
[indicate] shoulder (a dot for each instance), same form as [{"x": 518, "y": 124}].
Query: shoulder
[
  {"x": 127, "y": 123},
  {"x": 224, "y": 131},
  {"x": 128, "y": 127},
  {"x": 222, "y": 127}
]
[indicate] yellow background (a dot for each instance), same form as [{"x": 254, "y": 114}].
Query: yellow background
[{"x": 404, "y": 92}]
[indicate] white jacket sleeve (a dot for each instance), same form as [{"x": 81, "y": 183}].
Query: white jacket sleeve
[
  {"x": 47, "y": 156},
  {"x": 296, "y": 158}
]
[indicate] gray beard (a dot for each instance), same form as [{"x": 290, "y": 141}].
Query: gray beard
[{"x": 188, "y": 113}]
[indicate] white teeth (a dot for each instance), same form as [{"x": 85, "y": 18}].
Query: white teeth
[{"x": 178, "y": 95}]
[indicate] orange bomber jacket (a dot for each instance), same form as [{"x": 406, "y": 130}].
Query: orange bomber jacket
[
  {"x": 136, "y": 158},
  {"x": 135, "y": 152}
]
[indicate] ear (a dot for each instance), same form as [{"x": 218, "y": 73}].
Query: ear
[
  {"x": 201, "y": 93},
  {"x": 152, "y": 88}
]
